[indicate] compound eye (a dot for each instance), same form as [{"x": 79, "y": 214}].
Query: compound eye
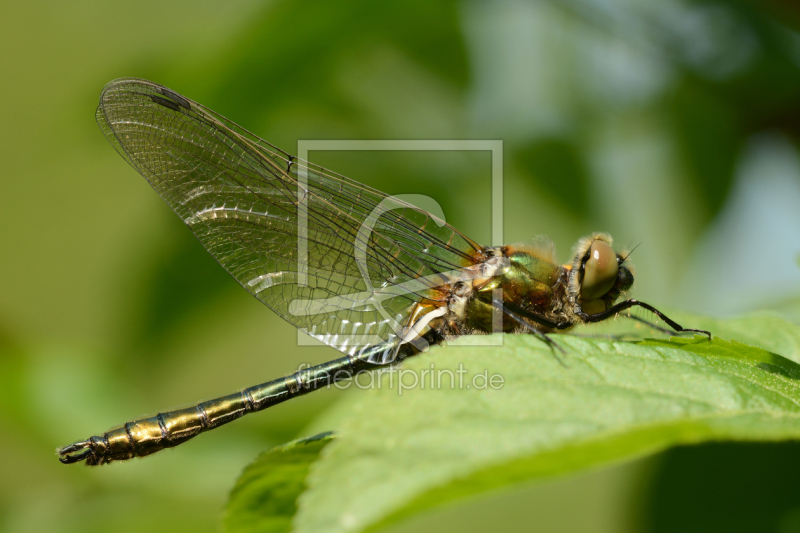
[{"x": 599, "y": 271}]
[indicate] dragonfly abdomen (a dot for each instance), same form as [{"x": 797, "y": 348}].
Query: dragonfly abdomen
[{"x": 146, "y": 436}]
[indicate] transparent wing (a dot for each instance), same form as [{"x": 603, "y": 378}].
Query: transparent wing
[{"x": 342, "y": 261}]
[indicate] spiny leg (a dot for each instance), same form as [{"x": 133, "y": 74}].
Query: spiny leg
[
  {"x": 656, "y": 327},
  {"x": 627, "y": 304},
  {"x": 553, "y": 345},
  {"x": 604, "y": 336}
]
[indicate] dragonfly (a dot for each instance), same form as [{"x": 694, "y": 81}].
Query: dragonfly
[{"x": 368, "y": 274}]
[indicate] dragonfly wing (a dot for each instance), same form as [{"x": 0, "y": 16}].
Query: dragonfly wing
[{"x": 338, "y": 259}]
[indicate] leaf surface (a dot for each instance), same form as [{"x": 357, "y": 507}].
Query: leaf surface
[
  {"x": 401, "y": 454},
  {"x": 265, "y": 495},
  {"x": 489, "y": 417}
]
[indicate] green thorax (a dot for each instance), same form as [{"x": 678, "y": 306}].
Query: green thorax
[{"x": 528, "y": 282}]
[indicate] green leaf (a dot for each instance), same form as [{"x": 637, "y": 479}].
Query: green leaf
[
  {"x": 402, "y": 453},
  {"x": 264, "y": 497},
  {"x": 764, "y": 329}
]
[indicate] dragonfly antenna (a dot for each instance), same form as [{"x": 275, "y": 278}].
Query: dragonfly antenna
[{"x": 631, "y": 252}]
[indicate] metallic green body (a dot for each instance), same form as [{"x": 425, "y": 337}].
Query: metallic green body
[
  {"x": 143, "y": 437},
  {"x": 529, "y": 281}
]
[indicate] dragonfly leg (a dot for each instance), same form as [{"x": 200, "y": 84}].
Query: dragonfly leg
[
  {"x": 553, "y": 345},
  {"x": 626, "y": 336},
  {"x": 604, "y": 336},
  {"x": 627, "y": 304},
  {"x": 656, "y": 327}
]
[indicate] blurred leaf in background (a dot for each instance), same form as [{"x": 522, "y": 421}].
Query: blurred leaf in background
[
  {"x": 669, "y": 123},
  {"x": 733, "y": 487}
]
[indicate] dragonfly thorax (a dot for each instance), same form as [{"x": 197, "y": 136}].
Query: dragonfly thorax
[
  {"x": 527, "y": 277},
  {"x": 524, "y": 275}
]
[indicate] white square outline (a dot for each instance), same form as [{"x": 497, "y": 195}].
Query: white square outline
[{"x": 305, "y": 146}]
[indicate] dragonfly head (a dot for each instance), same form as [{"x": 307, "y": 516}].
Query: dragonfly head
[{"x": 599, "y": 275}]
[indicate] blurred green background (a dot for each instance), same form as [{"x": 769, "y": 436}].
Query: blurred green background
[{"x": 671, "y": 124}]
